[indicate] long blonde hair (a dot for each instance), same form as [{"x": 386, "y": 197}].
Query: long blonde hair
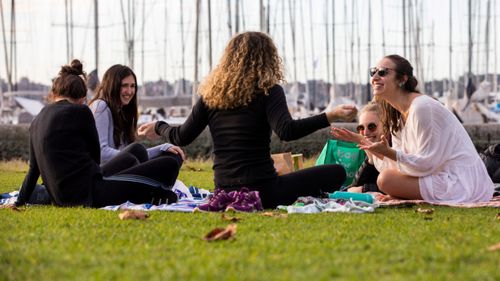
[{"x": 249, "y": 66}]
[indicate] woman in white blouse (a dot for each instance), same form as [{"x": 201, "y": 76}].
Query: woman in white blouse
[{"x": 432, "y": 157}]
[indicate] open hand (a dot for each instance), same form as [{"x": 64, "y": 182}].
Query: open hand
[
  {"x": 379, "y": 149},
  {"x": 343, "y": 112},
  {"x": 345, "y": 135},
  {"x": 148, "y": 130}
]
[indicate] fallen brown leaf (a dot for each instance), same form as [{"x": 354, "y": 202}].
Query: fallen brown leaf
[
  {"x": 228, "y": 218},
  {"x": 495, "y": 247},
  {"x": 272, "y": 214},
  {"x": 497, "y": 216},
  {"x": 221, "y": 233},
  {"x": 424, "y": 211},
  {"x": 133, "y": 215}
]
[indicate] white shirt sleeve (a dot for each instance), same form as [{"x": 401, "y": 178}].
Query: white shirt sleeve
[{"x": 427, "y": 134}]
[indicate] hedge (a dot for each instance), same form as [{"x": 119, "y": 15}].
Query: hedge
[{"x": 14, "y": 141}]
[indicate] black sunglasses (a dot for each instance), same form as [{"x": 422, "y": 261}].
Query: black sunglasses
[
  {"x": 381, "y": 71},
  {"x": 371, "y": 127}
]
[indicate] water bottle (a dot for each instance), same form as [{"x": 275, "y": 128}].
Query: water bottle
[{"x": 368, "y": 198}]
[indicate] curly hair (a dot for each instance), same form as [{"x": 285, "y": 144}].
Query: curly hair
[{"x": 249, "y": 66}]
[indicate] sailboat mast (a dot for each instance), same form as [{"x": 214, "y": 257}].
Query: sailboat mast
[
  {"x": 334, "y": 78},
  {"x": 450, "y": 54},
  {"x": 487, "y": 40},
  {"x": 327, "y": 31},
  {"x": 368, "y": 88},
  {"x": 229, "y": 18},
  {"x": 209, "y": 11},
  {"x": 262, "y": 14},
  {"x": 71, "y": 28},
  {"x": 291, "y": 12},
  {"x": 197, "y": 27},
  {"x": 237, "y": 16},
  {"x": 351, "y": 83},
  {"x": 313, "y": 56},
  {"x": 383, "y": 27},
  {"x": 495, "y": 76},
  {"x": 346, "y": 44},
  {"x": 143, "y": 88},
  {"x": 6, "y": 54},
  {"x": 183, "y": 43},
  {"x": 404, "y": 28},
  {"x": 283, "y": 42},
  {"x": 13, "y": 47},
  {"x": 96, "y": 34},
  {"x": 308, "y": 93},
  {"x": 470, "y": 40},
  {"x": 66, "y": 16}
]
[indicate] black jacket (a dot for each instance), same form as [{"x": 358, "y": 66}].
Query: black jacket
[
  {"x": 241, "y": 137},
  {"x": 64, "y": 150}
]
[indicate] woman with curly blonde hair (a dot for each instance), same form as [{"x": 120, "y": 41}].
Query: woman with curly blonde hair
[{"x": 242, "y": 103}]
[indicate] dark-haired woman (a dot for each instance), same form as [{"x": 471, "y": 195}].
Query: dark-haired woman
[
  {"x": 432, "y": 157},
  {"x": 64, "y": 150},
  {"x": 115, "y": 111}
]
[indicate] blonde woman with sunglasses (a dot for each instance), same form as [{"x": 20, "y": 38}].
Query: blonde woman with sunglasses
[
  {"x": 369, "y": 127},
  {"x": 432, "y": 157}
]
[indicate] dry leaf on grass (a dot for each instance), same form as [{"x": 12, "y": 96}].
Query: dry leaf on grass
[
  {"x": 497, "y": 216},
  {"x": 221, "y": 233},
  {"x": 272, "y": 214},
  {"x": 229, "y": 218},
  {"x": 133, "y": 215},
  {"x": 424, "y": 211},
  {"x": 495, "y": 247}
]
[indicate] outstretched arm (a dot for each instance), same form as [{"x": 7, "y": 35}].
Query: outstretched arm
[{"x": 345, "y": 135}]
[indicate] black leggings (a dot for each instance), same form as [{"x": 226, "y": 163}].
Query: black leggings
[
  {"x": 285, "y": 189},
  {"x": 161, "y": 171},
  {"x": 132, "y": 155}
]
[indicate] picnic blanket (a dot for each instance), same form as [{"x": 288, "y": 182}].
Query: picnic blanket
[
  {"x": 494, "y": 202},
  {"x": 183, "y": 205},
  {"x": 312, "y": 205},
  {"x": 189, "y": 198}
]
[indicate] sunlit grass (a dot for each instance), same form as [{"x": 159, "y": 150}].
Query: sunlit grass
[{"x": 51, "y": 243}]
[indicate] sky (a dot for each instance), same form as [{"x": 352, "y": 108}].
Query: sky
[{"x": 42, "y": 48}]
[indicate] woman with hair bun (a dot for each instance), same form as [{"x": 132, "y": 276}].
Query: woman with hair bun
[
  {"x": 65, "y": 152},
  {"x": 432, "y": 157},
  {"x": 242, "y": 103}
]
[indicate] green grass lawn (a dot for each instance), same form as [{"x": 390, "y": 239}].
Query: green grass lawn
[{"x": 49, "y": 243}]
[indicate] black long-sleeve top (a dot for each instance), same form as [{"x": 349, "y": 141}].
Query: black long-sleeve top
[
  {"x": 64, "y": 150},
  {"x": 242, "y": 136},
  {"x": 366, "y": 176}
]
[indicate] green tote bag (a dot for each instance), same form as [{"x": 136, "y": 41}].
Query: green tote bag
[{"x": 343, "y": 153}]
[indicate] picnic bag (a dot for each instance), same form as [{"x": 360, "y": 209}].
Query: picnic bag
[
  {"x": 343, "y": 153},
  {"x": 283, "y": 163}
]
